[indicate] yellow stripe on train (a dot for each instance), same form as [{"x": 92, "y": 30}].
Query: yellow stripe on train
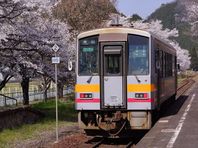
[
  {"x": 130, "y": 88},
  {"x": 87, "y": 88},
  {"x": 141, "y": 88}
]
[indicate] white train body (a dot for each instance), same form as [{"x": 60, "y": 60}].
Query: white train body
[{"x": 123, "y": 76}]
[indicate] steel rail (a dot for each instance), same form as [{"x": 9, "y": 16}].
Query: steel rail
[
  {"x": 98, "y": 143},
  {"x": 184, "y": 87}
]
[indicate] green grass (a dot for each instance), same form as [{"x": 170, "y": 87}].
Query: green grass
[
  {"x": 65, "y": 109},
  {"x": 67, "y": 117}
]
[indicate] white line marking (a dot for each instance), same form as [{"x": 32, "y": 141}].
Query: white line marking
[
  {"x": 168, "y": 130},
  {"x": 163, "y": 121},
  {"x": 179, "y": 126}
]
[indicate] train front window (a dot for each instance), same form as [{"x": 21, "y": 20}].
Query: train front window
[
  {"x": 138, "y": 55},
  {"x": 88, "y": 56}
]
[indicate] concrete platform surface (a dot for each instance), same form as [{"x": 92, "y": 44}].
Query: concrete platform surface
[{"x": 178, "y": 126}]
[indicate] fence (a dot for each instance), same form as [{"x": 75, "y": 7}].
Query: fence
[{"x": 35, "y": 95}]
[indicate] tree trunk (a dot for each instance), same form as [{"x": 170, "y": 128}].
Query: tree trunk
[
  {"x": 4, "y": 81},
  {"x": 25, "y": 89},
  {"x": 60, "y": 90},
  {"x": 45, "y": 95},
  {"x": 46, "y": 85}
]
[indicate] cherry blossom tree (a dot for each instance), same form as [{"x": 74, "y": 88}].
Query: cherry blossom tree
[
  {"x": 9, "y": 11},
  {"x": 31, "y": 41},
  {"x": 41, "y": 34},
  {"x": 6, "y": 69},
  {"x": 156, "y": 28},
  {"x": 183, "y": 56}
]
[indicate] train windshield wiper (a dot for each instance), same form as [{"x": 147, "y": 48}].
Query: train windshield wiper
[
  {"x": 137, "y": 79},
  {"x": 90, "y": 78}
]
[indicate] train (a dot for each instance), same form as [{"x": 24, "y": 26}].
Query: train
[{"x": 123, "y": 76}]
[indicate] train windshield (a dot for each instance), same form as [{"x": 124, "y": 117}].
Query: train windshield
[
  {"x": 88, "y": 56},
  {"x": 138, "y": 55}
]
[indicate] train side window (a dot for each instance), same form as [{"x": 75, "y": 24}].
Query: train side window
[
  {"x": 162, "y": 64},
  {"x": 157, "y": 60},
  {"x": 168, "y": 65},
  {"x": 165, "y": 57},
  {"x": 173, "y": 65}
]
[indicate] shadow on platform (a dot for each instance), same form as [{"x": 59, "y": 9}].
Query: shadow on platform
[{"x": 172, "y": 108}]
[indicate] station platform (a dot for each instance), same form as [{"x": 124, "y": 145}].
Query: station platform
[{"x": 178, "y": 126}]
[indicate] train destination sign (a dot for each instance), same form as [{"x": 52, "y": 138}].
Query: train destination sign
[{"x": 88, "y": 49}]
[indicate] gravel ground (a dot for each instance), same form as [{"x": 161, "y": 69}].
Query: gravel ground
[
  {"x": 73, "y": 141},
  {"x": 46, "y": 139},
  {"x": 80, "y": 140}
]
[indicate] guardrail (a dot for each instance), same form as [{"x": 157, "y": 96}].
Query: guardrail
[{"x": 7, "y": 98}]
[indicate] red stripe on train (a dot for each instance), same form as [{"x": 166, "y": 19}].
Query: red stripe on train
[
  {"x": 95, "y": 100},
  {"x": 140, "y": 100}
]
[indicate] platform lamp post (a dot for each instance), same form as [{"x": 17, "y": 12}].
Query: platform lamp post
[{"x": 56, "y": 61}]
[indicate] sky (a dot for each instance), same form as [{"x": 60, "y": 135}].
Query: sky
[{"x": 142, "y": 7}]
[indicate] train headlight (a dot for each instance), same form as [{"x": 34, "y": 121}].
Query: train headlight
[
  {"x": 141, "y": 95},
  {"x": 86, "y": 95}
]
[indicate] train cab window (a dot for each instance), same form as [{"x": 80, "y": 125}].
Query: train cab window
[
  {"x": 138, "y": 60},
  {"x": 88, "y": 56}
]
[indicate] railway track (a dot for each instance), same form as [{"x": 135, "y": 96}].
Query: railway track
[
  {"x": 185, "y": 85},
  {"x": 97, "y": 144},
  {"x": 108, "y": 142}
]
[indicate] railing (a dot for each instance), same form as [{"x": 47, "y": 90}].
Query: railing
[
  {"x": 33, "y": 96},
  {"x": 7, "y": 98}
]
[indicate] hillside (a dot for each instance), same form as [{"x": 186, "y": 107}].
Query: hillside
[{"x": 183, "y": 15}]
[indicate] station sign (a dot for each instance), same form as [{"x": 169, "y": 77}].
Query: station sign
[
  {"x": 55, "y": 48},
  {"x": 55, "y": 60}
]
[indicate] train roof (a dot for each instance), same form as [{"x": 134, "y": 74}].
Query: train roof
[
  {"x": 164, "y": 42},
  {"x": 123, "y": 30},
  {"x": 114, "y": 30}
]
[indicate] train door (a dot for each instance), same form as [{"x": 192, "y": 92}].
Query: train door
[{"x": 113, "y": 76}]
